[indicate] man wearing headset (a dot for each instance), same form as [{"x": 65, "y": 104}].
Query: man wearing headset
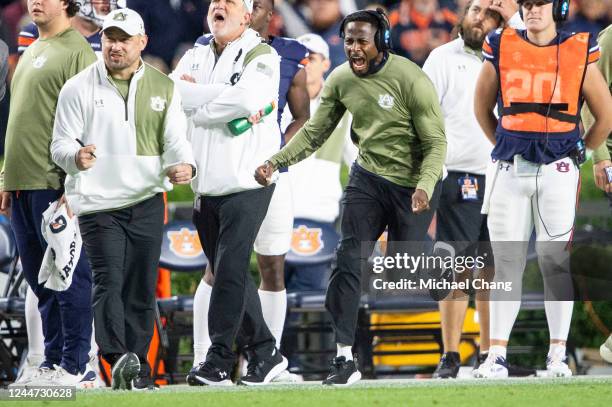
[
  {"x": 399, "y": 129},
  {"x": 539, "y": 78}
]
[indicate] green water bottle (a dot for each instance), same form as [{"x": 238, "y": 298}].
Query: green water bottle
[{"x": 239, "y": 126}]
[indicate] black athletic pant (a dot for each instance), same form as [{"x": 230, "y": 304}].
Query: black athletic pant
[
  {"x": 123, "y": 247},
  {"x": 227, "y": 226},
  {"x": 370, "y": 204}
]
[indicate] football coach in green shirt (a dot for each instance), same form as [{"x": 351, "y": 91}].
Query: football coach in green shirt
[{"x": 399, "y": 129}]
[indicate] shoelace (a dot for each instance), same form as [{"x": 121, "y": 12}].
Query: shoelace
[
  {"x": 57, "y": 373},
  {"x": 555, "y": 359},
  {"x": 336, "y": 364},
  {"x": 445, "y": 361},
  {"x": 489, "y": 361}
]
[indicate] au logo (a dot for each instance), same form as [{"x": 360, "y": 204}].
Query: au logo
[
  {"x": 185, "y": 243},
  {"x": 120, "y": 16},
  {"x": 306, "y": 241},
  {"x": 39, "y": 62},
  {"x": 58, "y": 224},
  {"x": 158, "y": 104},
  {"x": 385, "y": 101}
]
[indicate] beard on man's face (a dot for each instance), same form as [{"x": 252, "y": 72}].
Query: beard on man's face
[{"x": 473, "y": 34}]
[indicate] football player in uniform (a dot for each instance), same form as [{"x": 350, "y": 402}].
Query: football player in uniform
[{"x": 539, "y": 78}]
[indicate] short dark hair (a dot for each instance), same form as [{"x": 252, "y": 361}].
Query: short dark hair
[
  {"x": 73, "y": 7},
  {"x": 363, "y": 16}
]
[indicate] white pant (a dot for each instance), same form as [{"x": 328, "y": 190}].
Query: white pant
[
  {"x": 274, "y": 236},
  {"x": 515, "y": 205}
]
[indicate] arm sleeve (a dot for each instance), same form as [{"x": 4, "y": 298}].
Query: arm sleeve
[
  {"x": 193, "y": 95},
  {"x": 252, "y": 92},
  {"x": 26, "y": 37},
  {"x": 429, "y": 125},
  {"x": 490, "y": 47},
  {"x": 177, "y": 150},
  {"x": 316, "y": 130},
  {"x": 433, "y": 67},
  {"x": 67, "y": 127},
  {"x": 516, "y": 22}
]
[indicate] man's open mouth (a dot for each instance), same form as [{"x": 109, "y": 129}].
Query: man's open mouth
[{"x": 358, "y": 62}]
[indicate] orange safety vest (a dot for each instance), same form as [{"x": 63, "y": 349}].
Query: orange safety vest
[{"x": 528, "y": 73}]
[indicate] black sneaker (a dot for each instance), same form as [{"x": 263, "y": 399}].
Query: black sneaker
[
  {"x": 208, "y": 373},
  {"x": 449, "y": 365},
  {"x": 124, "y": 371},
  {"x": 480, "y": 360},
  {"x": 520, "y": 371},
  {"x": 263, "y": 371},
  {"x": 144, "y": 381},
  {"x": 342, "y": 372}
]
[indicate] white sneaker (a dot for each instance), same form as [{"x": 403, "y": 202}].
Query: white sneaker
[
  {"x": 287, "y": 377},
  {"x": 30, "y": 374},
  {"x": 94, "y": 365},
  {"x": 29, "y": 370},
  {"x": 494, "y": 367},
  {"x": 60, "y": 377},
  {"x": 605, "y": 350},
  {"x": 556, "y": 366}
]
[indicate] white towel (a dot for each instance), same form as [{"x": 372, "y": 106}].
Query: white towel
[{"x": 63, "y": 247}]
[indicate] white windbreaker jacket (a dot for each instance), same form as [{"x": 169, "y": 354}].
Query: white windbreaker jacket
[
  {"x": 136, "y": 140},
  {"x": 236, "y": 84}
]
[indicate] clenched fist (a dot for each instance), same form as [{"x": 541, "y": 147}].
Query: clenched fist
[{"x": 263, "y": 173}]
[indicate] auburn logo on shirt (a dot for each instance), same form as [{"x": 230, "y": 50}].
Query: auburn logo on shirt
[
  {"x": 307, "y": 241},
  {"x": 185, "y": 243}
]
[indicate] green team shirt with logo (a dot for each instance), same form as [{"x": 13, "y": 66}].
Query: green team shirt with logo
[
  {"x": 397, "y": 121},
  {"x": 41, "y": 72}
]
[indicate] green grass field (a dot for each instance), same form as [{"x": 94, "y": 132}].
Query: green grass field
[{"x": 577, "y": 391}]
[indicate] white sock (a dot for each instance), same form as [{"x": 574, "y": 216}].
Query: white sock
[
  {"x": 498, "y": 350},
  {"x": 201, "y": 338},
  {"x": 556, "y": 349},
  {"x": 344, "y": 350},
  {"x": 36, "y": 339},
  {"x": 502, "y": 315},
  {"x": 274, "y": 309},
  {"x": 559, "y": 317}
]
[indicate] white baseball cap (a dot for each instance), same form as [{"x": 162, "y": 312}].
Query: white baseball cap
[
  {"x": 126, "y": 20},
  {"x": 315, "y": 44},
  {"x": 249, "y": 5}
]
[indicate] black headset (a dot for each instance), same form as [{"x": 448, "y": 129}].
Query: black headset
[
  {"x": 382, "y": 38},
  {"x": 560, "y": 10}
]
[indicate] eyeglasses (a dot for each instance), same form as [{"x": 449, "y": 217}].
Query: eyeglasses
[{"x": 537, "y": 3}]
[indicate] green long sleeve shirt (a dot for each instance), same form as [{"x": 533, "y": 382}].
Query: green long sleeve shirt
[
  {"x": 605, "y": 66},
  {"x": 397, "y": 121},
  {"x": 42, "y": 70}
]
